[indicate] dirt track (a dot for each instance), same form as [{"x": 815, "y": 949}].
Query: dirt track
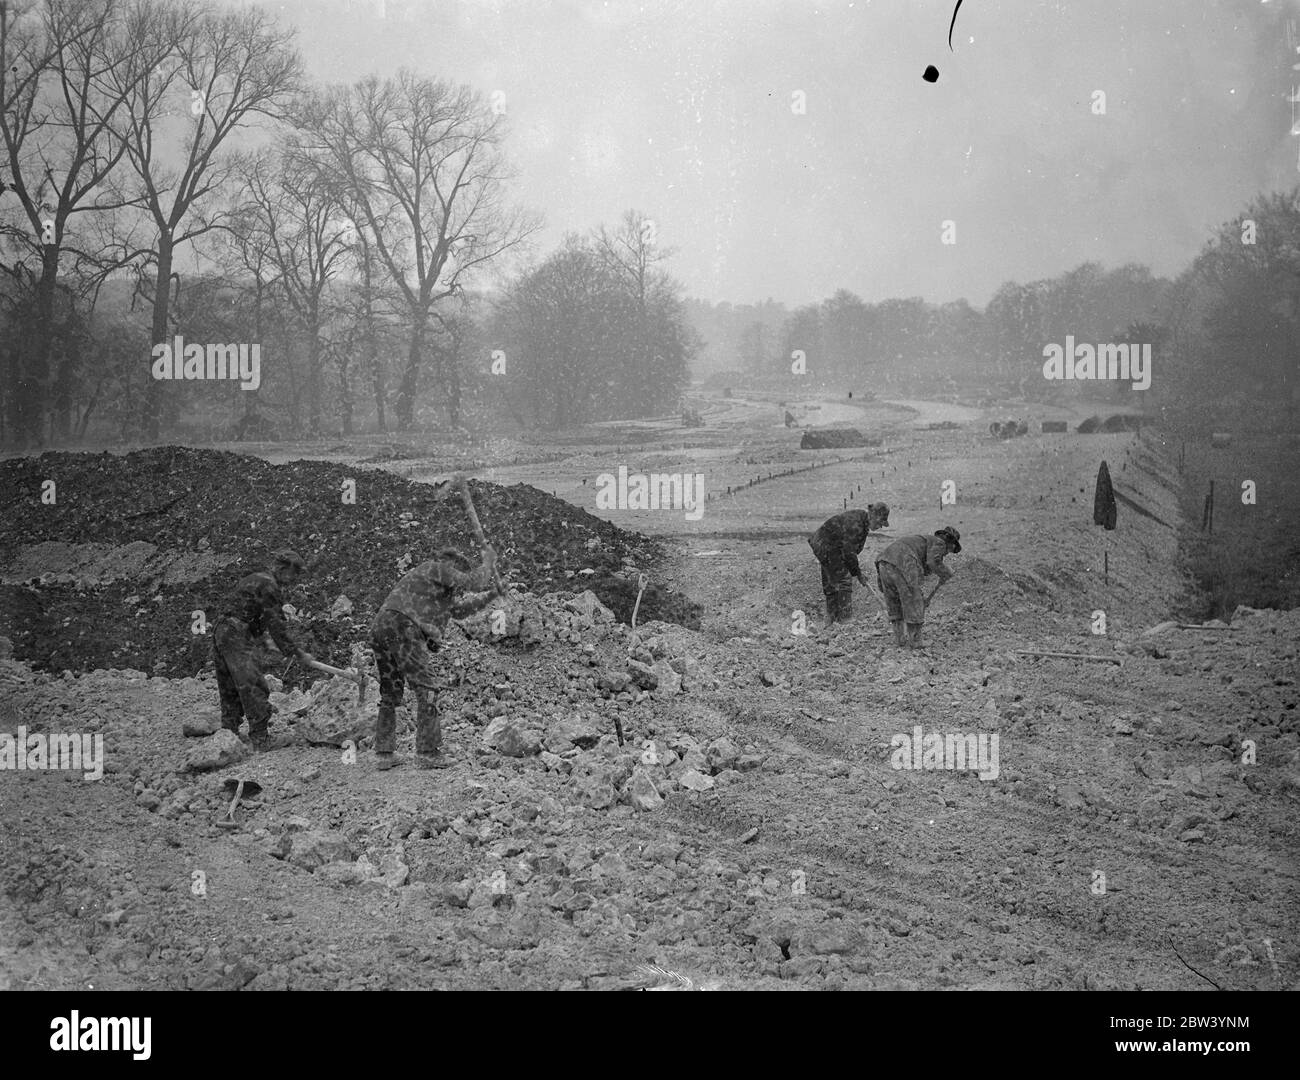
[{"x": 811, "y": 862}]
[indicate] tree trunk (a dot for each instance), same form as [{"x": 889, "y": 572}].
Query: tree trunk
[
  {"x": 7, "y": 393},
  {"x": 295, "y": 387},
  {"x": 405, "y": 406},
  {"x": 34, "y": 356},
  {"x": 159, "y": 335},
  {"x": 84, "y": 422},
  {"x": 314, "y": 379},
  {"x": 453, "y": 388},
  {"x": 69, "y": 366},
  {"x": 371, "y": 346},
  {"x": 250, "y": 400},
  {"x": 380, "y": 394},
  {"x": 345, "y": 395},
  {"x": 377, "y": 382}
]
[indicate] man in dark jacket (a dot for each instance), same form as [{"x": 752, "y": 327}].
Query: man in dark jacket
[
  {"x": 837, "y": 545},
  {"x": 899, "y": 570},
  {"x": 255, "y": 608},
  {"x": 405, "y": 632}
]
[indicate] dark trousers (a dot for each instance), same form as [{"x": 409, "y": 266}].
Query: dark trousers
[
  {"x": 239, "y": 677},
  {"x": 402, "y": 656},
  {"x": 837, "y": 585},
  {"x": 904, "y": 598}
]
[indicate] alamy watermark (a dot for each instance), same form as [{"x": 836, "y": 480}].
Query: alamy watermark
[
  {"x": 951, "y": 751},
  {"x": 77, "y": 1032},
  {"x": 176, "y": 360},
  {"x": 76, "y": 753},
  {"x": 658, "y": 491},
  {"x": 1104, "y": 362}
]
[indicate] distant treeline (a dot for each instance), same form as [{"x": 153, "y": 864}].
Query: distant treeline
[
  {"x": 1225, "y": 334},
  {"x": 910, "y": 346}
]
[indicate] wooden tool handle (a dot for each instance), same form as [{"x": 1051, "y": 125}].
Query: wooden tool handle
[
  {"x": 462, "y": 486},
  {"x": 347, "y": 673}
]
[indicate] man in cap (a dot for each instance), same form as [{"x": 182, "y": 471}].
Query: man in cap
[
  {"x": 255, "y": 608},
  {"x": 899, "y": 570},
  {"x": 404, "y": 634},
  {"x": 837, "y": 545}
]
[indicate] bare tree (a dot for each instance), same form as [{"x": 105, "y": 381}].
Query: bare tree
[
  {"x": 232, "y": 67},
  {"x": 66, "y": 69},
  {"x": 422, "y": 164},
  {"x": 630, "y": 253},
  {"x": 366, "y": 317},
  {"x": 298, "y": 221},
  {"x": 655, "y": 365}
]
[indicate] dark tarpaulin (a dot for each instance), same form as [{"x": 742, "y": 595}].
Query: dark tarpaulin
[{"x": 1103, "y": 502}]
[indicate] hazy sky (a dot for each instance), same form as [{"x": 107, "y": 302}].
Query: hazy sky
[{"x": 683, "y": 110}]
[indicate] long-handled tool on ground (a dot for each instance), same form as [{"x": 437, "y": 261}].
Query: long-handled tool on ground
[
  {"x": 251, "y": 788},
  {"x": 347, "y": 673},
  {"x": 462, "y": 485}
]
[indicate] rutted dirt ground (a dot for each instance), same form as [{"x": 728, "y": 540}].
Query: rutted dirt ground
[{"x": 786, "y": 851}]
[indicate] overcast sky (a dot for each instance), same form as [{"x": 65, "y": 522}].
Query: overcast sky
[{"x": 683, "y": 109}]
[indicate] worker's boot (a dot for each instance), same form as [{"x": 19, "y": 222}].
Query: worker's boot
[
  {"x": 428, "y": 735},
  {"x": 914, "y": 634},
  {"x": 831, "y": 608},
  {"x": 389, "y": 760},
  {"x": 263, "y": 741},
  {"x": 846, "y": 606},
  {"x": 899, "y": 639}
]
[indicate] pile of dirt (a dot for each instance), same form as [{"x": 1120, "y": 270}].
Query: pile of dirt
[
  {"x": 1122, "y": 422},
  {"x": 982, "y": 594},
  {"x": 1008, "y": 429},
  {"x": 834, "y": 439},
  {"x": 218, "y": 515},
  {"x": 100, "y": 564},
  {"x": 1111, "y": 425}
]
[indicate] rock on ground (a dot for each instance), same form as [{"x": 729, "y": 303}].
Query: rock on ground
[
  {"x": 201, "y": 724},
  {"x": 511, "y": 738},
  {"x": 312, "y": 848},
  {"x": 216, "y": 752}
]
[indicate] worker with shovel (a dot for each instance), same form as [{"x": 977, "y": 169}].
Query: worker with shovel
[
  {"x": 255, "y": 608},
  {"x": 407, "y": 630},
  {"x": 899, "y": 571},
  {"x": 837, "y": 545}
]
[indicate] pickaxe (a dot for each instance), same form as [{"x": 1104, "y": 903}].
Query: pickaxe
[
  {"x": 249, "y": 788},
  {"x": 462, "y": 485},
  {"x": 347, "y": 673}
]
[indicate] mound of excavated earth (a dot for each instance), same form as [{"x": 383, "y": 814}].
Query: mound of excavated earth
[
  {"x": 834, "y": 439},
  {"x": 107, "y": 566}
]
